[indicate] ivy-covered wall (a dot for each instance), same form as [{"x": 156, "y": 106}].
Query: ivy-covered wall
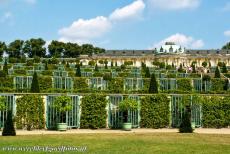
[
  {"x": 155, "y": 111},
  {"x": 30, "y": 112},
  {"x": 93, "y": 111}
]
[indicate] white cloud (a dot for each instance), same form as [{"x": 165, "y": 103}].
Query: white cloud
[
  {"x": 130, "y": 11},
  {"x": 30, "y": 1},
  {"x": 85, "y": 30},
  {"x": 227, "y": 33},
  {"x": 174, "y": 4},
  {"x": 183, "y": 40}
]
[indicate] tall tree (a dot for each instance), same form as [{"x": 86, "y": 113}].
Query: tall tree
[
  {"x": 71, "y": 50},
  {"x": 227, "y": 46},
  {"x": 35, "y": 85},
  {"x": 35, "y": 47},
  {"x": 96, "y": 68},
  {"x": 217, "y": 72},
  {"x": 2, "y": 48},
  {"x": 87, "y": 49},
  {"x": 56, "y": 49},
  {"x": 78, "y": 71},
  {"x": 147, "y": 72},
  {"x": 224, "y": 68},
  {"x": 153, "y": 88},
  {"x": 186, "y": 126},
  {"x": 14, "y": 49},
  {"x": 9, "y": 129}
]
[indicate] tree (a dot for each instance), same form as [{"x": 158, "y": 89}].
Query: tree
[
  {"x": 185, "y": 126},
  {"x": 204, "y": 64},
  {"x": 147, "y": 72},
  {"x": 62, "y": 104},
  {"x": 35, "y": 84},
  {"x": 153, "y": 88},
  {"x": 2, "y": 48},
  {"x": 217, "y": 72},
  {"x": 193, "y": 68},
  {"x": 111, "y": 64},
  {"x": 96, "y": 68},
  {"x": 35, "y": 47},
  {"x": 224, "y": 68},
  {"x": 46, "y": 66},
  {"x": 9, "y": 129},
  {"x": 56, "y": 49},
  {"x": 14, "y": 49},
  {"x": 71, "y": 50},
  {"x": 227, "y": 46},
  {"x": 226, "y": 84},
  {"x": 180, "y": 69},
  {"x": 5, "y": 68},
  {"x": 78, "y": 71},
  {"x": 87, "y": 49}
]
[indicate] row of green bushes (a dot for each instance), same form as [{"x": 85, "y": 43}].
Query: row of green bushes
[
  {"x": 154, "y": 111},
  {"x": 114, "y": 85}
]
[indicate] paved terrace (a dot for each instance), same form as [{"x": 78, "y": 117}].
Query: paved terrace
[{"x": 111, "y": 131}]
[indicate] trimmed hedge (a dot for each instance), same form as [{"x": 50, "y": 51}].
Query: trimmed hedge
[
  {"x": 216, "y": 112},
  {"x": 93, "y": 111},
  {"x": 30, "y": 112},
  {"x": 45, "y": 83},
  {"x": 184, "y": 84},
  {"x": 155, "y": 111}
]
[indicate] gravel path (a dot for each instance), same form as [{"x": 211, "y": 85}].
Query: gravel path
[{"x": 109, "y": 131}]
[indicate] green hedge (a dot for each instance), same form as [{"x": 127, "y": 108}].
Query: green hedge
[
  {"x": 216, "y": 112},
  {"x": 217, "y": 84},
  {"x": 45, "y": 83},
  {"x": 184, "y": 84},
  {"x": 115, "y": 85},
  {"x": 30, "y": 112},
  {"x": 93, "y": 111},
  {"x": 155, "y": 111},
  {"x": 80, "y": 84}
]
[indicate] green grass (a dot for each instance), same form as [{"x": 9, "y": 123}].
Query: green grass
[{"x": 172, "y": 143}]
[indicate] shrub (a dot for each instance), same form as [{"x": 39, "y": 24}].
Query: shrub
[
  {"x": 127, "y": 105},
  {"x": 93, "y": 112},
  {"x": 5, "y": 68},
  {"x": 217, "y": 72},
  {"x": 35, "y": 84},
  {"x": 153, "y": 87},
  {"x": 45, "y": 83},
  {"x": 184, "y": 84},
  {"x": 62, "y": 104},
  {"x": 9, "y": 129},
  {"x": 147, "y": 72},
  {"x": 216, "y": 111},
  {"x": 20, "y": 72},
  {"x": 185, "y": 126},
  {"x": 155, "y": 111},
  {"x": 78, "y": 71}
]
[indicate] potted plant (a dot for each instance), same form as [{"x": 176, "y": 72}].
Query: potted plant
[
  {"x": 62, "y": 104},
  {"x": 125, "y": 106},
  {"x": 2, "y": 108}
]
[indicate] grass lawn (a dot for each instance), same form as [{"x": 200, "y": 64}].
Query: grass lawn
[{"x": 151, "y": 143}]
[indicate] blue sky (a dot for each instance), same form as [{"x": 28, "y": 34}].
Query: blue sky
[{"x": 118, "y": 24}]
